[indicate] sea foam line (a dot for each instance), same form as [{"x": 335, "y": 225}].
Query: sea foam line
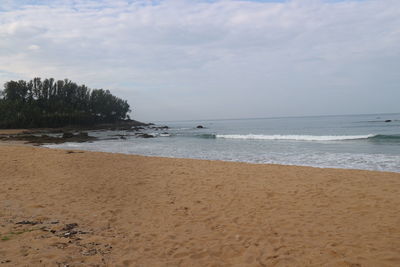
[{"x": 295, "y": 137}]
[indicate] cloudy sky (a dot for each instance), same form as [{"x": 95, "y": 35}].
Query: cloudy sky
[{"x": 193, "y": 59}]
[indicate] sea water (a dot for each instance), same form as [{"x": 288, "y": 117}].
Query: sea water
[{"x": 370, "y": 142}]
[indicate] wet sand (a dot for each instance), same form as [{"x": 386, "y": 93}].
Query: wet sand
[
  {"x": 12, "y": 131},
  {"x": 75, "y": 208}
]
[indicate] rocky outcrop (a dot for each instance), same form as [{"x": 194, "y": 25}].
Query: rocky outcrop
[
  {"x": 144, "y": 135},
  {"x": 47, "y": 139}
]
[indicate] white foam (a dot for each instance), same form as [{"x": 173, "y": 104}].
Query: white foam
[{"x": 294, "y": 137}]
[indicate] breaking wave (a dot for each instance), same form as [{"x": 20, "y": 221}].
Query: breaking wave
[{"x": 300, "y": 137}]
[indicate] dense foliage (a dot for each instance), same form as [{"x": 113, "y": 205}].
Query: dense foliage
[{"x": 50, "y": 103}]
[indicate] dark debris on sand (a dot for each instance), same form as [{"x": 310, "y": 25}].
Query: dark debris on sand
[{"x": 73, "y": 235}]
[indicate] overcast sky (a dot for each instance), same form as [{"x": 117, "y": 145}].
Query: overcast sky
[{"x": 188, "y": 59}]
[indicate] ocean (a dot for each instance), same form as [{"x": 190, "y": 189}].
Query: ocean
[{"x": 368, "y": 142}]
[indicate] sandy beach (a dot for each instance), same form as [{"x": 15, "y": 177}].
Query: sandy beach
[{"x": 75, "y": 208}]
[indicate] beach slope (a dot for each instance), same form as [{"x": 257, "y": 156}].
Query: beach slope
[{"x": 75, "y": 208}]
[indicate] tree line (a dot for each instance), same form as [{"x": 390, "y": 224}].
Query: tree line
[{"x": 51, "y": 103}]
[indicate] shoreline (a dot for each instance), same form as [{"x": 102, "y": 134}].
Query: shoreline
[
  {"x": 80, "y": 207},
  {"x": 219, "y": 160},
  {"x": 24, "y": 143}
]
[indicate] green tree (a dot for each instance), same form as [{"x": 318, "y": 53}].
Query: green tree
[{"x": 50, "y": 103}]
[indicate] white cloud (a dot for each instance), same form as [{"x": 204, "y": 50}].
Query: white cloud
[
  {"x": 33, "y": 47},
  {"x": 192, "y": 59}
]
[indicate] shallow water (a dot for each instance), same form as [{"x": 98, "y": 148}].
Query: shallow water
[{"x": 352, "y": 141}]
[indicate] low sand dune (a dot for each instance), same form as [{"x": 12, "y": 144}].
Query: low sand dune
[{"x": 71, "y": 208}]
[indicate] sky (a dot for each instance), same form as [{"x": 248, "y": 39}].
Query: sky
[{"x": 194, "y": 59}]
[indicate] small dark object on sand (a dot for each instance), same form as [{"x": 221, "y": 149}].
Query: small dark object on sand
[
  {"x": 70, "y": 234},
  {"x": 71, "y": 152},
  {"x": 27, "y": 222},
  {"x": 70, "y": 226}
]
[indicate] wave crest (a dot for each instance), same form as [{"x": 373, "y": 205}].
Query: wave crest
[{"x": 295, "y": 137}]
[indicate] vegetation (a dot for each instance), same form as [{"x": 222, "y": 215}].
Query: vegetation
[
  {"x": 50, "y": 103},
  {"x": 11, "y": 234}
]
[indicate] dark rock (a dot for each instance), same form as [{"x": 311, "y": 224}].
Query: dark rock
[
  {"x": 55, "y": 131},
  {"x": 136, "y": 128},
  {"x": 67, "y": 135},
  {"x": 145, "y": 135},
  {"x": 83, "y": 135},
  {"x": 199, "y": 127},
  {"x": 159, "y": 127},
  {"x": 28, "y": 137}
]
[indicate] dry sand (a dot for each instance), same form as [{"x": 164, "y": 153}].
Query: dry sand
[{"x": 100, "y": 209}]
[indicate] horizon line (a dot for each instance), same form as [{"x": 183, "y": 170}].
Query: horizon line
[{"x": 280, "y": 117}]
